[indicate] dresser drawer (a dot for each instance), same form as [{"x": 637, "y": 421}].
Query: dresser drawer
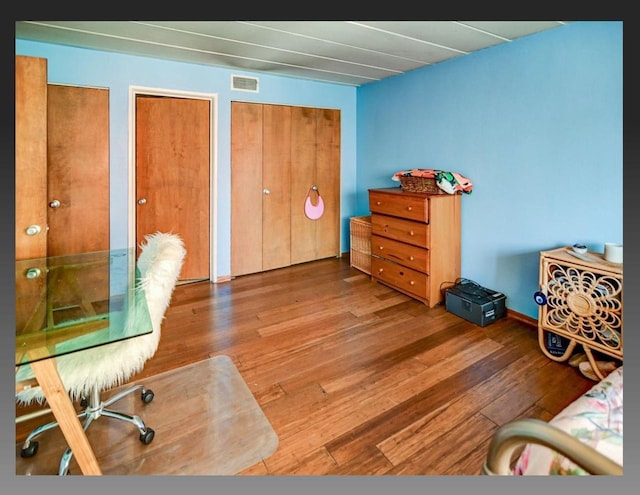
[
  {"x": 415, "y": 233},
  {"x": 400, "y": 277},
  {"x": 412, "y": 207},
  {"x": 410, "y": 256}
]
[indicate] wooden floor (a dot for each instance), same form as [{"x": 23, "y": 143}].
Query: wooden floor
[{"x": 357, "y": 378}]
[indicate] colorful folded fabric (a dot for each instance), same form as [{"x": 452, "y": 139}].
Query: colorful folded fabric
[
  {"x": 449, "y": 182},
  {"x": 427, "y": 173}
]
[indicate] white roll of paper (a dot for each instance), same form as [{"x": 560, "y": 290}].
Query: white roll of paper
[{"x": 613, "y": 252}]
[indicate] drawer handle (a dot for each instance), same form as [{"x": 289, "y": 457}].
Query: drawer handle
[
  {"x": 411, "y": 258},
  {"x": 378, "y": 203},
  {"x": 380, "y": 248},
  {"x": 409, "y": 208},
  {"x": 412, "y": 283},
  {"x": 411, "y": 232},
  {"x": 380, "y": 270}
]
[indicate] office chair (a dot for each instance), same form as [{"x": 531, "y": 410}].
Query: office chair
[{"x": 86, "y": 374}]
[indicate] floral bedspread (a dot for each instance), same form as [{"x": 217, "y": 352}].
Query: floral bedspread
[{"x": 595, "y": 418}]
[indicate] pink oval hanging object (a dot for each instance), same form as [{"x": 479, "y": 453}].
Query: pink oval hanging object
[{"x": 313, "y": 211}]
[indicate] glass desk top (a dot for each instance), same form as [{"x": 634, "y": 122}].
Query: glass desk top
[{"x": 74, "y": 302}]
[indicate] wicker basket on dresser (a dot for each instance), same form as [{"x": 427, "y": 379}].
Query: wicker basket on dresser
[
  {"x": 415, "y": 242},
  {"x": 583, "y": 304}
]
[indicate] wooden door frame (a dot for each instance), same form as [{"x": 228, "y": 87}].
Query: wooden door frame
[{"x": 135, "y": 91}]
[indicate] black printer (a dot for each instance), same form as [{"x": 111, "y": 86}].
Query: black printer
[{"x": 475, "y": 303}]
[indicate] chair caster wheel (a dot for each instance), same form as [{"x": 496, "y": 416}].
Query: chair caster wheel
[
  {"x": 29, "y": 451},
  {"x": 147, "y": 396},
  {"x": 147, "y": 436}
]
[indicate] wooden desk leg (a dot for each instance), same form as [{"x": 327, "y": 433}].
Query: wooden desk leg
[{"x": 48, "y": 378}]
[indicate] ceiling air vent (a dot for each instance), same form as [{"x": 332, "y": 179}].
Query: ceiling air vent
[{"x": 244, "y": 83}]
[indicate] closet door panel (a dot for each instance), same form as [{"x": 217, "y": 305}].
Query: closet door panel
[
  {"x": 327, "y": 241},
  {"x": 303, "y": 176},
  {"x": 246, "y": 188},
  {"x": 276, "y": 193}
]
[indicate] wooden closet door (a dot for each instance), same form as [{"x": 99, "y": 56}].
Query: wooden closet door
[
  {"x": 173, "y": 175},
  {"x": 316, "y": 161},
  {"x": 260, "y": 187},
  {"x": 30, "y": 156},
  {"x": 275, "y": 154},
  {"x": 246, "y": 188},
  {"x": 303, "y": 156},
  {"x": 77, "y": 169},
  {"x": 328, "y": 179},
  {"x": 62, "y": 164},
  {"x": 276, "y": 194}
]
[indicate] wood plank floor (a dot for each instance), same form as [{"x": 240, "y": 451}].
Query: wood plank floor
[{"x": 357, "y": 378}]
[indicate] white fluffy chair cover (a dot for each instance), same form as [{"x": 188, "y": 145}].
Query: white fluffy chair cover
[{"x": 113, "y": 364}]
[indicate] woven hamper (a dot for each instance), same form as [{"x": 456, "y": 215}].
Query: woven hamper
[
  {"x": 420, "y": 184},
  {"x": 360, "y": 255}
]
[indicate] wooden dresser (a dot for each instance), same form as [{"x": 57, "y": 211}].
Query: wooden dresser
[{"x": 415, "y": 242}]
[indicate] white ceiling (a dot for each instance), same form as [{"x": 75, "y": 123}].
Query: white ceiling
[{"x": 343, "y": 52}]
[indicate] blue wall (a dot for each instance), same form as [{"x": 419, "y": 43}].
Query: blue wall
[
  {"x": 536, "y": 124},
  {"x": 67, "y": 65}
]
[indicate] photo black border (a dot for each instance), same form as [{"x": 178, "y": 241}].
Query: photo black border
[{"x": 310, "y": 484}]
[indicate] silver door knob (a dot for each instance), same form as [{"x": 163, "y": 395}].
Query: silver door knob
[
  {"x": 142, "y": 201},
  {"x": 54, "y": 204},
  {"x": 33, "y": 230},
  {"x": 266, "y": 191}
]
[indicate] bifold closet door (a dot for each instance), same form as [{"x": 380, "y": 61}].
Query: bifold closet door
[
  {"x": 260, "y": 187},
  {"x": 276, "y": 189},
  {"x": 315, "y": 158},
  {"x": 328, "y": 179},
  {"x": 246, "y": 188},
  {"x": 276, "y": 157}
]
